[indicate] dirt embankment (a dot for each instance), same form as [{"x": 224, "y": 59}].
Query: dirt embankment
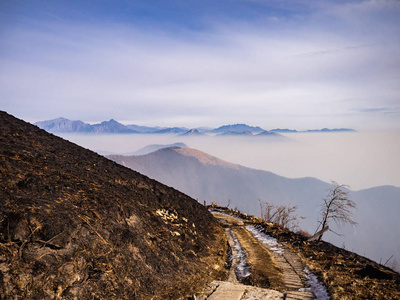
[{"x": 74, "y": 225}]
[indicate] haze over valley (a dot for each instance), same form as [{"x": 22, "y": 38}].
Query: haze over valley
[
  {"x": 359, "y": 159},
  {"x": 208, "y": 178}
]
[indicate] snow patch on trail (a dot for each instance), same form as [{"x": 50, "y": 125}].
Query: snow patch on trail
[
  {"x": 316, "y": 287},
  {"x": 242, "y": 270},
  {"x": 273, "y": 244}
]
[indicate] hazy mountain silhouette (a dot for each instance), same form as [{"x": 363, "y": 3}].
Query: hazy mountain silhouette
[
  {"x": 62, "y": 125},
  {"x": 192, "y": 132},
  {"x": 237, "y": 128},
  {"x": 173, "y": 130},
  {"x": 331, "y": 130},
  {"x": 270, "y": 134},
  {"x": 247, "y": 133},
  {"x": 205, "y": 177},
  {"x": 314, "y": 130},
  {"x": 144, "y": 129},
  {"x": 111, "y": 126},
  {"x": 151, "y": 148}
]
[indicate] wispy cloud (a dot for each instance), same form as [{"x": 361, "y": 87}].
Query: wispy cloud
[{"x": 231, "y": 71}]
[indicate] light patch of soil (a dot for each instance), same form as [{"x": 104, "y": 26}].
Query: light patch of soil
[{"x": 264, "y": 271}]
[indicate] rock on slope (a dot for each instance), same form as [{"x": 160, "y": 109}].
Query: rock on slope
[{"x": 74, "y": 225}]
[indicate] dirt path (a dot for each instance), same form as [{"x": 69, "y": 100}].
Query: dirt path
[{"x": 276, "y": 273}]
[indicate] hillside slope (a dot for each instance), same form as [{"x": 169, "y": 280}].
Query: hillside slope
[
  {"x": 75, "y": 225},
  {"x": 205, "y": 177}
]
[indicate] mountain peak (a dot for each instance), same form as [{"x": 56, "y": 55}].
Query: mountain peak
[
  {"x": 205, "y": 158},
  {"x": 112, "y": 121},
  {"x": 238, "y": 128},
  {"x": 193, "y": 132}
]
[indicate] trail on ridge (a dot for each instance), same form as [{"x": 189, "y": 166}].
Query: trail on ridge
[{"x": 259, "y": 269}]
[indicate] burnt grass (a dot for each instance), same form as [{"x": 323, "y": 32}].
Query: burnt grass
[
  {"x": 345, "y": 274},
  {"x": 75, "y": 225}
]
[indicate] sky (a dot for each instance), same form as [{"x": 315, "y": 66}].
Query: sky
[{"x": 271, "y": 63}]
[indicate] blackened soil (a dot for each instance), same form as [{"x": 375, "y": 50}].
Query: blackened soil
[{"x": 74, "y": 225}]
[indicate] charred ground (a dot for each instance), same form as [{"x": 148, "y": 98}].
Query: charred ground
[{"x": 74, "y": 225}]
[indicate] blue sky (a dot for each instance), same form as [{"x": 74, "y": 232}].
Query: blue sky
[{"x": 294, "y": 64}]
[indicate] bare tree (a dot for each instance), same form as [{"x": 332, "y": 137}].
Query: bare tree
[
  {"x": 337, "y": 207},
  {"x": 280, "y": 214}
]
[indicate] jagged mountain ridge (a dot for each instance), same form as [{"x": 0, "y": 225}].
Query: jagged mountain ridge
[
  {"x": 74, "y": 224},
  {"x": 63, "y": 125},
  {"x": 144, "y": 129},
  {"x": 205, "y": 177},
  {"x": 238, "y": 128},
  {"x": 285, "y": 130},
  {"x": 192, "y": 132},
  {"x": 60, "y": 125},
  {"x": 111, "y": 126}
]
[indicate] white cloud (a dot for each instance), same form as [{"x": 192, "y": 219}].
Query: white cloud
[{"x": 233, "y": 72}]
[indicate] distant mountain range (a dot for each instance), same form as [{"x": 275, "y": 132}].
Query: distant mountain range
[
  {"x": 63, "y": 125},
  {"x": 237, "y": 128},
  {"x": 314, "y": 130},
  {"x": 205, "y": 177}
]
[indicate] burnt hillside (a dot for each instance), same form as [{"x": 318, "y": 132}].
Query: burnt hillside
[{"x": 74, "y": 225}]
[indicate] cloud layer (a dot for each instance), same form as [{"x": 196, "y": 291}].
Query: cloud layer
[{"x": 328, "y": 64}]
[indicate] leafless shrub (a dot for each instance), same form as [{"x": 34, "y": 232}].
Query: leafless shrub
[{"x": 280, "y": 214}]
